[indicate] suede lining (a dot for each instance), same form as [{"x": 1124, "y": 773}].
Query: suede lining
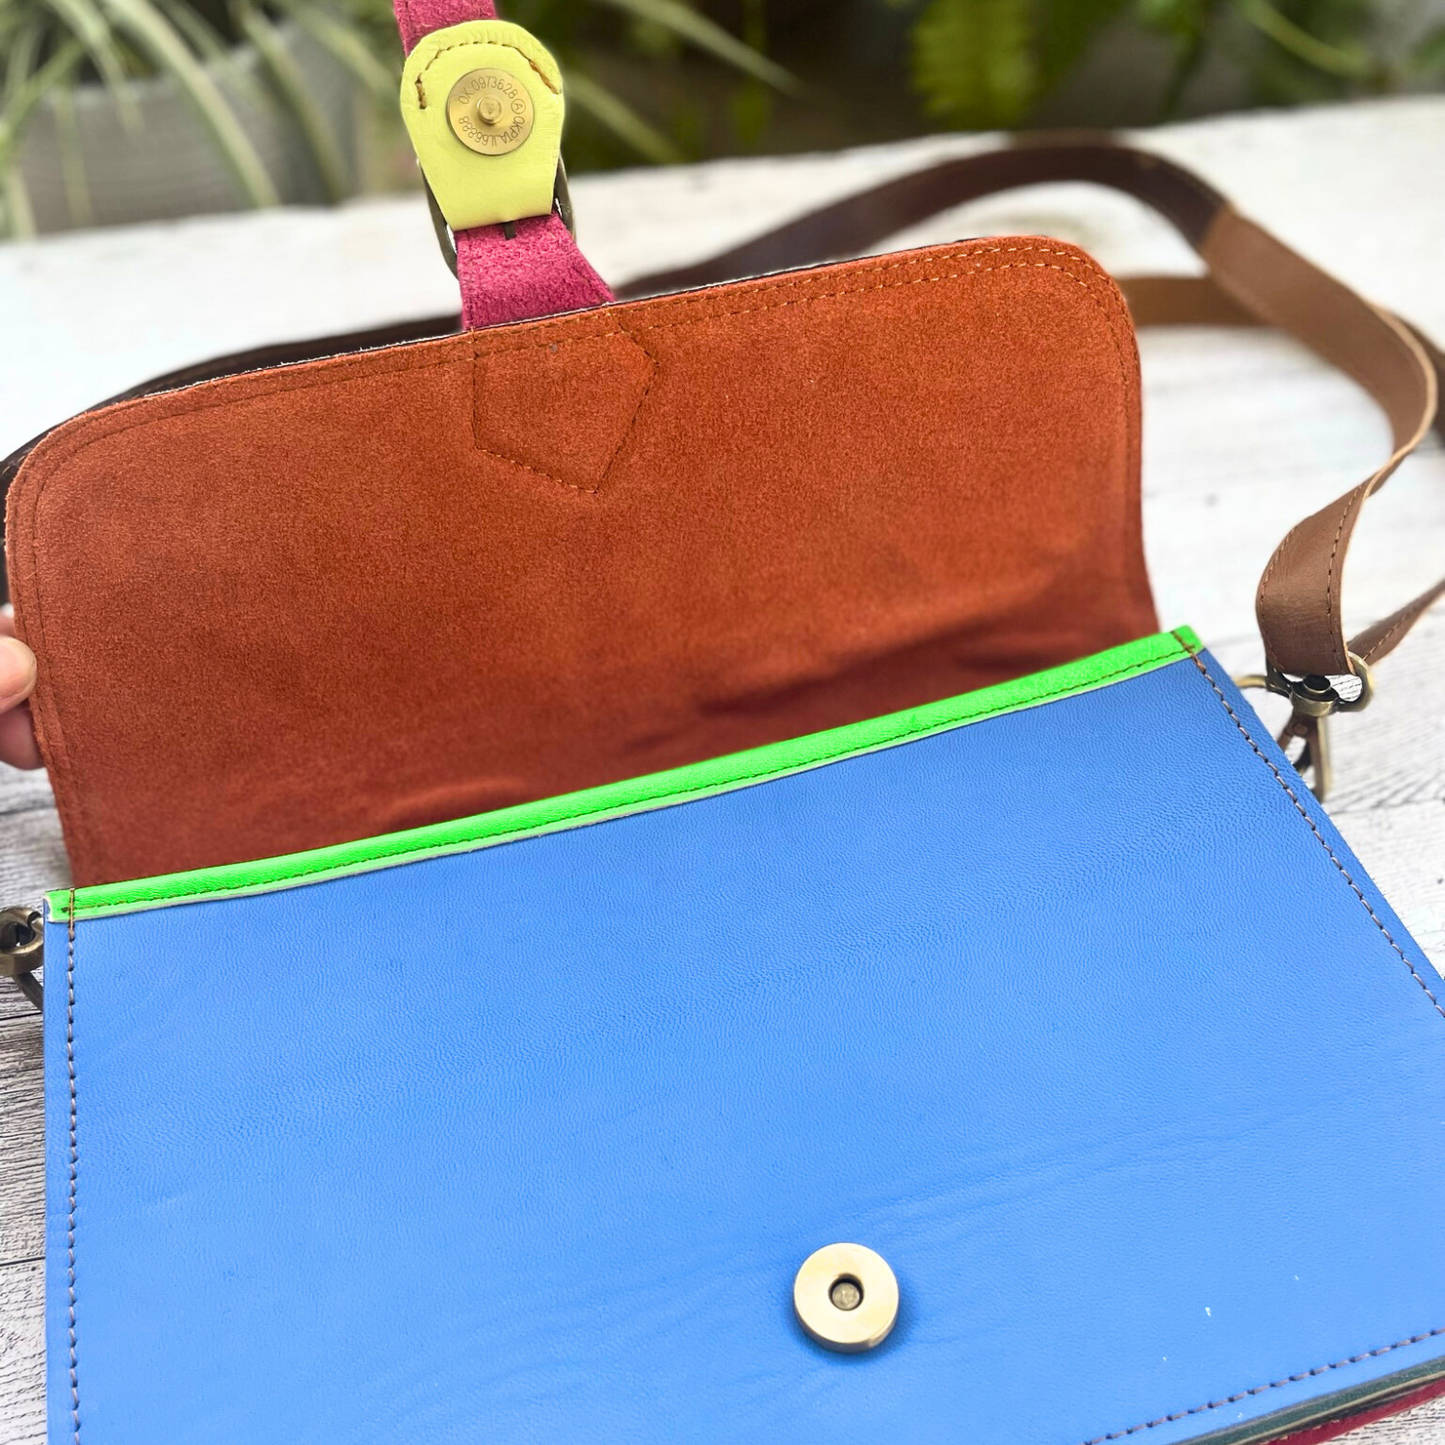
[{"x": 299, "y": 607}]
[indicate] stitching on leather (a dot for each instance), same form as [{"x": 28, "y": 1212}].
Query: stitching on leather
[
  {"x": 1096, "y": 1440},
  {"x": 799, "y": 283},
  {"x": 1273, "y": 1384},
  {"x": 1338, "y": 638},
  {"x": 916, "y": 281},
  {"x": 1435, "y": 1003},
  {"x": 1320, "y": 837},
  {"x": 703, "y": 297},
  {"x": 622, "y": 440},
  {"x": 368, "y": 370},
  {"x": 1352, "y": 368},
  {"x": 1409, "y": 615},
  {"x": 1134, "y": 669},
  {"x": 636, "y": 410},
  {"x": 538, "y": 472},
  {"x": 74, "y": 817},
  {"x": 1274, "y": 560},
  {"x": 1350, "y": 365},
  {"x": 1378, "y": 650},
  {"x": 469, "y": 44},
  {"x": 342, "y": 370},
  {"x": 630, "y": 332},
  {"x": 72, "y": 1168}
]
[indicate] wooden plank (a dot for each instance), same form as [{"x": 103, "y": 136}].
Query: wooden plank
[
  {"x": 22, "y": 1141},
  {"x": 22, "y": 1353},
  {"x": 1424, "y": 1425}
]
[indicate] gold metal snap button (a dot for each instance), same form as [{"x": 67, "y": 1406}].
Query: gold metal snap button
[
  {"x": 490, "y": 112},
  {"x": 846, "y": 1297}
]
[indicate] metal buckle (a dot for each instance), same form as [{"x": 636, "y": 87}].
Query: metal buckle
[
  {"x": 561, "y": 203},
  {"x": 22, "y": 949},
  {"x": 1312, "y": 699}
]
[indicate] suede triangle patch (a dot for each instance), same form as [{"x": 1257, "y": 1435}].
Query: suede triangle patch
[{"x": 561, "y": 409}]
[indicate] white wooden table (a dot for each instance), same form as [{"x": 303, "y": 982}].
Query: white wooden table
[{"x": 1244, "y": 434}]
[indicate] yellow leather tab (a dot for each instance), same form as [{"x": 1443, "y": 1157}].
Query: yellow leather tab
[{"x": 482, "y": 102}]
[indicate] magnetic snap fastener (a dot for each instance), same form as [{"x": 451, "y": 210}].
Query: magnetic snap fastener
[
  {"x": 846, "y": 1297},
  {"x": 483, "y": 105},
  {"x": 490, "y": 112}
]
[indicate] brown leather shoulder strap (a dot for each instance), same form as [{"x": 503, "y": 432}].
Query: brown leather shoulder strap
[{"x": 1252, "y": 278}]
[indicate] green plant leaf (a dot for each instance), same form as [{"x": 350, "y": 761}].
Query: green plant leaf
[
  {"x": 72, "y": 158},
  {"x": 26, "y": 85},
  {"x": 345, "y": 44},
  {"x": 196, "y": 30},
  {"x": 154, "y": 34},
  {"x": 973, "y": 61},
  {"x": 605, "y": 107},
  {"x": 220, "y": 54},
  {"x": 279, "y": 63},
  {"x": 1188, "y": 24},
  {"x": 1172, "y": 17},
  {"x": 21, "y": 54},
  {"x": 1350, "y": 63},
  {"x": 1428, "y": 57},
  {"x": 707, "y": 35},
  {"x": 1066, "y": 29},
  {"x": 84, "y": 19},
  {"x": 19, "y": 214}
]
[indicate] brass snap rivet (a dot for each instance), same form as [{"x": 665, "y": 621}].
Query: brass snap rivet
[
  {"x": 846, "y": 1297},
  {"x": 490, "y": 112}
]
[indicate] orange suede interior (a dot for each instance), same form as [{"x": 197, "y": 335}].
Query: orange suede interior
[{"x": 323, "y": 601}]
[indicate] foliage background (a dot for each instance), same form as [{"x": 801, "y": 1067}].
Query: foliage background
[
  {"x": 878, "y": 69},
  {"x": 673, "y": 80}
]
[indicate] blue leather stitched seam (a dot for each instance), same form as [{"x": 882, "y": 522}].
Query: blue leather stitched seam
[
  {"x": 1334, "y": 858},
  {"x": 327, "y": 868},
  {"x": 72, "y": 1166},
  {"x": 1414, "y": 973},
  {"x": 1261, "y": 1389}
]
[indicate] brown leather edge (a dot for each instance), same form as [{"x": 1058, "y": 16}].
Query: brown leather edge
[
  {"x": 859, "y": 222},
  {"x": 259, "y": 358},
  {"x": 1298, "y": 603}
]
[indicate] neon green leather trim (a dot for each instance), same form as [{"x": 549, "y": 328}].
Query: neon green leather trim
[
  {"x": 657, "y": 790},
  {"x": 473, "y": 189}
]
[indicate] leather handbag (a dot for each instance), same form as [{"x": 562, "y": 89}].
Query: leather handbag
[
  {"x": 711, "y": 1001},
  {"x": 320, "y": 592}
]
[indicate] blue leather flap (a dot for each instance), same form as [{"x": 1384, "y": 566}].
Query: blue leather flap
[{"x": 1083, "y": 1017}]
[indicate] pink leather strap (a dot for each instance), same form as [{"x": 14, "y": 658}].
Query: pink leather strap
[
  {"x": 537, "y": 271},
  {"x": 415, "y": 18}
]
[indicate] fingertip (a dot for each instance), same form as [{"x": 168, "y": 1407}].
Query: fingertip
[
  {"x": 17, "y": 671},
  {"x": 17, "y": 739}
]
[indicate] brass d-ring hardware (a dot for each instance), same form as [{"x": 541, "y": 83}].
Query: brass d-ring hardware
[
  {"x": 22, "y": 949},
  {"x": 561, "y": 203},
  {"x": 1312, "y": 699}
]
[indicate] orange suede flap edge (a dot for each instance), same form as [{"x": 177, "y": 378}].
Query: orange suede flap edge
[{"x": 290, "y": 608}]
